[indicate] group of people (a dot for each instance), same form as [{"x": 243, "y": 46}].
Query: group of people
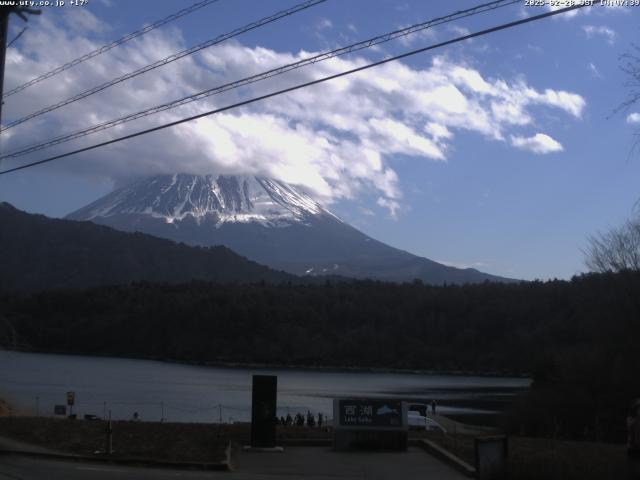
[{"x": 300, "y": 420}]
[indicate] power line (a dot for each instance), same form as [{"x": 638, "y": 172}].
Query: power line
[
  {"x": 503, "y": 26},
  {"x": 259, "y": 77},
  {"x": 165, "y": 61},
  {"x": 15, "y": 39},
  {"x": 106, "y": 48},
  {"x": 5, "y": 10}
]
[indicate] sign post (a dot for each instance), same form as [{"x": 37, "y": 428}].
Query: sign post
[
  {"x": 375, "y": 424},
  {"x": 71, "y": 399}
]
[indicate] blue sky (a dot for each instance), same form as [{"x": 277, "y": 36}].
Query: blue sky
[{"x": 500, "y": 153}]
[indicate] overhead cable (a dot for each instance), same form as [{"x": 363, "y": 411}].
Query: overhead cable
[
  {"x": 106, "y": 48},
  {"x": 259, "y": 77},
  {"x": 301, "y": 85},
  {"x": 165, "y": 61}
]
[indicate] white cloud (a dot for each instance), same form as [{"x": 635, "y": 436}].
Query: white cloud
[
  {"x": 570, "y": 14},
  {"x": 458, "y": 30},
  {"x": 606, "y": 32},
  {"x": 424, "y": 36},
  {"x": 438, "y": 131},
  {"x": 539, "y": 143},
  {"x": 336, "y": 139},
  {"x": 633, "y": 117},
  {"x": 82, "y": 20},
  {"x": 594, "y": 70},
  {"x": 399, "y": 138},
  {"x": 390, "y": 205},
  {"x": 569, "y": 102},
  {"x": 324, "y": 24}
]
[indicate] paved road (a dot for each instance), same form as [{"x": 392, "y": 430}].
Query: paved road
[
  {"x": 324, "y": 464},
  {"x": 297, "y": 462},
  {"x": 7, "y": 443},
  {"x": 15, "y": 467}
]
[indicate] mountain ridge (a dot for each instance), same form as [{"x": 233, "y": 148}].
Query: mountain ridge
[
  {"x": 267, "y": 221},
  {"x": 38, "y": 252}
]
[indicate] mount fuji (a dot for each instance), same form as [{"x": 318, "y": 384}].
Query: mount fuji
[{"x": 266, "y": 220}]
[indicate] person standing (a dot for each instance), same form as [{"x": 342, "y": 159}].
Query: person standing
[
  {"x": 633, "y": 441},
  {"x": 310, "y": 419},
  {"x": 433, "y": 407}
]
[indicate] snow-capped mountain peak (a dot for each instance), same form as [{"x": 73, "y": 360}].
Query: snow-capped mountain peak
[
  {"x": 225, "y": 199},
  {"x": 245, "y": 213}
]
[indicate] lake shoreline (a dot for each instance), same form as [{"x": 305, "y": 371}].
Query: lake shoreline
[
  {"x": 278, "y": 366},
  {"x": 182, "y": 392}
]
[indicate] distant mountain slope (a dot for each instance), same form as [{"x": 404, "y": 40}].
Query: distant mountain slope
[
  {"x": 38, "y": 252},
  {"x": 267, "y": 221}
]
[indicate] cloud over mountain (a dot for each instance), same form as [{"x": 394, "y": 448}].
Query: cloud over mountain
[{"x": 335, "y": 140}]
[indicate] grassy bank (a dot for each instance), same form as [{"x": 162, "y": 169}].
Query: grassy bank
[
  {"x": 138, "y": 440},
  {"x": 175, "y": 442}
]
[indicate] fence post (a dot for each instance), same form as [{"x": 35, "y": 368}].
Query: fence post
[{"x": 455, "y": 438}]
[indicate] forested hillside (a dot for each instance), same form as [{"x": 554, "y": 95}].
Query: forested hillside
[{"x": 37, "y": 252}]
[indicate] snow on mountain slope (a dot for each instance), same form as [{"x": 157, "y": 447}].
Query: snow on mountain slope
[{"x": 229, "y": 199}]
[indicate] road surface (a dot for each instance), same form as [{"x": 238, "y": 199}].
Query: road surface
[{"x": 313, "y": 463}]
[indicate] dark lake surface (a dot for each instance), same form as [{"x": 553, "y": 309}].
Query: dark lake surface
[{"x": 35, "y": 382}]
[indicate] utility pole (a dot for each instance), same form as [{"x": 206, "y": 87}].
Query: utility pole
[
  {"x": 5, "y": 11},
  {"x": 4, "y": 26},
  {"x": 108, "y": 447}
]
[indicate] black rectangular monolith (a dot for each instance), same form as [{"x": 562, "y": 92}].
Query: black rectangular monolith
[{"x": 263, "y": 411}]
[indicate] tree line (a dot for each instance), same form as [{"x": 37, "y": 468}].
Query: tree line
[{"x": 578, "y": 339}]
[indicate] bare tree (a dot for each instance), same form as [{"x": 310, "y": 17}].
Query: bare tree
[
  {"x": 615, "y": 250},
  {"x": 630, "y": 65},
  {"x": 619, "y": 248}
]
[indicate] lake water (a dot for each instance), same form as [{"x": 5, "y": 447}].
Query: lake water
[{"x": 33, "y": 383}]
